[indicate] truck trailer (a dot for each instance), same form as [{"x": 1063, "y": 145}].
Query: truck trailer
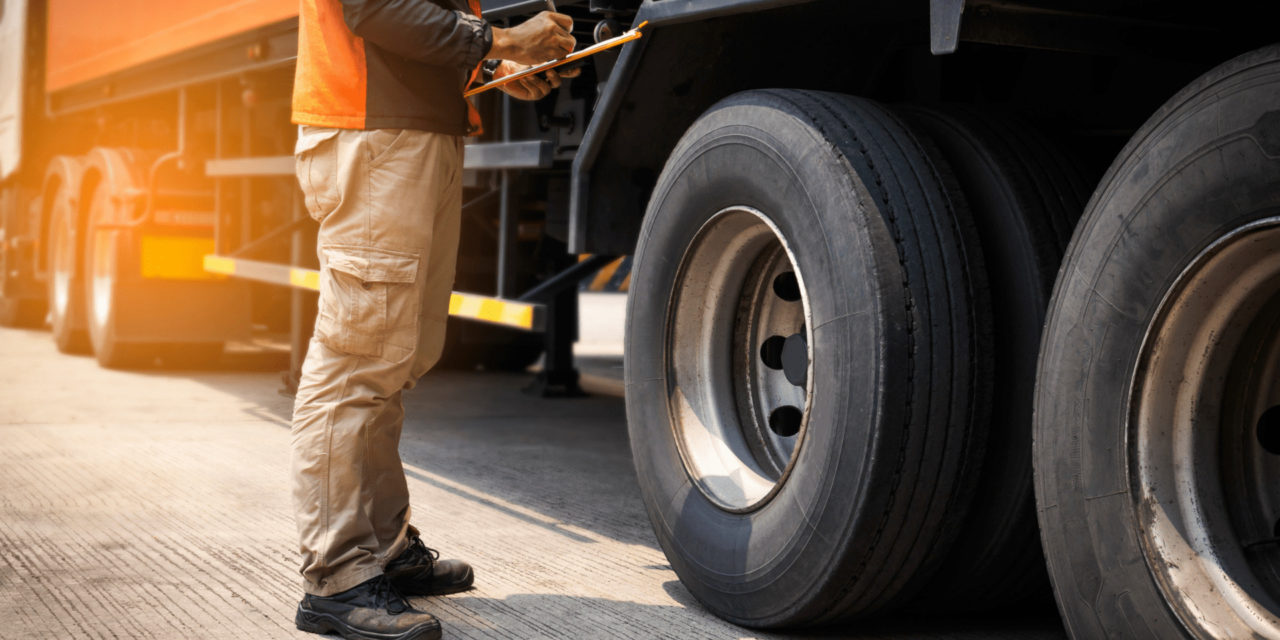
[{"x": 934, "y": 306}]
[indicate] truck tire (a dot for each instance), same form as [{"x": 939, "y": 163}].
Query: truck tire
[
  {"x": 1025, "y": 196},
  {"x": 807, "y": 359},
  {"x": 102, "y": 282},
  {"x": 1156, "y": 423},
  {"x": 108, "y": 258},
  {"x": 65, "y": 280}
]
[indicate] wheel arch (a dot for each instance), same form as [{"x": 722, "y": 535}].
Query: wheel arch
[
  {"x": 690, "y": 58},
  {"x": 696, "y": 53},
  {"x": 119, "y": 168}
]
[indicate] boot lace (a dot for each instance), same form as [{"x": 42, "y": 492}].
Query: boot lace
[
  {"x": 386, "y": 596},
  {"x": 427, "y": 554}
]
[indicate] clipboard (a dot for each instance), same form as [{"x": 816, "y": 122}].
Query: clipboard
[{"x": 633, "y": 34}]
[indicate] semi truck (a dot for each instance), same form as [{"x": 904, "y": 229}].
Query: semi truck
[{"x": 934, "y": 306}]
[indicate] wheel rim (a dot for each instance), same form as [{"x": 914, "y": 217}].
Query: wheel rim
[
  {"x": 101, "y": 265},
  {"x": 738, "y": 359},
  {"x": 102, "y": 277},
  {"x": 1205, "y": 437},
  {"x": 63, "y": 267}
]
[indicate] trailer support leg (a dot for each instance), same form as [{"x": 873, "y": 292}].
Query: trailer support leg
[{"x": 559, "y": 376}]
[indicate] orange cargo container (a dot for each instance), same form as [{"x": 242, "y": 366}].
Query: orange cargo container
[
  {"x": 161, "y": 162},
  {"x": 82, "y": 48}
]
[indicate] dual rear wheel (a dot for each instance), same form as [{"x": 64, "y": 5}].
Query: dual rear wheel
[
  {"x": 833, "y": 329},
  {"x": 810, "y": 360},
  {"x": 98, "y": 302}
]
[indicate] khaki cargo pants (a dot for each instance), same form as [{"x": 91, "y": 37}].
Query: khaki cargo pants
[{"x": 389, "y": 203}]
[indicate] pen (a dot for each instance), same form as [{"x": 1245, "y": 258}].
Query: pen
[{"x": 551, "y": 6}]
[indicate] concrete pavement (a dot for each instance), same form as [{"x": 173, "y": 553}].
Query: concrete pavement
[{"x": 155, "y": 504}]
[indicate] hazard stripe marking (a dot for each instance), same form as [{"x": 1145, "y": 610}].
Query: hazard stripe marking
[
  {"x": 305, "y": 278},
  {"x": 509, "y": 313},
  {"x": 613, "y": 277},
  {"x": 605, "y": 275},
  {"x": 493, "y": 310},
  {"x": 219, "y": 264}
]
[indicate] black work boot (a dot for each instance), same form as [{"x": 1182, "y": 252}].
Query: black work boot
[
  {"x": 372, "y": 609},
  {"x": 419, "y": 571}
]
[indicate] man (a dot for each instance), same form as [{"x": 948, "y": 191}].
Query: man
[{"x": 378, "y": 95}]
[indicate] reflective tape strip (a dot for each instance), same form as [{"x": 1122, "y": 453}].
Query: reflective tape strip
[
  {"x": 305, "y": 278},
  {"x": 219, "y": 264},
  {"x": 613, "y": 277},
  {"x": 522, "y": 315},
  {"x": 510, "y": 313},
  {"x": 604, "y": 275}
]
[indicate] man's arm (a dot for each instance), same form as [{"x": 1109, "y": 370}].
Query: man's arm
[{"x": 422, "y": 30}]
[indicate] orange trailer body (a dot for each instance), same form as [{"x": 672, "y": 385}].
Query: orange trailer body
[{"x": 89, "y": 39}]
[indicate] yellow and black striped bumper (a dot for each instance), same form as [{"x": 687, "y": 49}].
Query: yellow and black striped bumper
[
  {"x": 613, "y": 277},
  {"x": 508, "y": 313}
]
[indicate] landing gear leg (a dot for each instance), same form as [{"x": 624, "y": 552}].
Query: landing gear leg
[{"x": 559, "y": 376}]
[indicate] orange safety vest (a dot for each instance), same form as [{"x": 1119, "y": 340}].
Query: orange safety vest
[{"x": 378, "y": 65}]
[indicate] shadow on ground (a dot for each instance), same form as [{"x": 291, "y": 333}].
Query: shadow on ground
[
  {"x": 579, "y": 617},
  {"x": 562, "y": 466}
]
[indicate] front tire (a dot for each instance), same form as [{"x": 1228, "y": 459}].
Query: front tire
[
  {"x": 1157, "y": 474},
  {"x": 805, "y": 359}
]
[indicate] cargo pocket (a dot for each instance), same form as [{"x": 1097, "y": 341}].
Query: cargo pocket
[{"x": 369, "y": 302}]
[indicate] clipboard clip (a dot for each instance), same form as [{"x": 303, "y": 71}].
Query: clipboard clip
[{"x": 581, "y": 54}]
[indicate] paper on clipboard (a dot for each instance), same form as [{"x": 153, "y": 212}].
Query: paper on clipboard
[{"x": 633, "y": 34}]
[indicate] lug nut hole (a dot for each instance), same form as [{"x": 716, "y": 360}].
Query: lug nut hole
[
  {"x": 1268, "y": 431},
  {"x": 785, "y": 421},
  {"x": 771, "y": 352},
  {"x": 786, "y": 286}
]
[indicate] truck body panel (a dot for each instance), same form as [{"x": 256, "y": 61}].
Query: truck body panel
[{"x": 79, "y": 49}]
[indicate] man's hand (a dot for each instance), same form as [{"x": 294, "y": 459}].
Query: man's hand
[
  {"x": 536, "y": 86},
  {"x": 543, "y": 37}
]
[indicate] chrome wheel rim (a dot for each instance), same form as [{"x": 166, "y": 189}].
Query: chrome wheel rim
[
  {"x": 739, "y": 359},
  {"x": 63, "y": 267},
  {"x": 1205, "y": 437},
  {"x": 102, "y": 263}
]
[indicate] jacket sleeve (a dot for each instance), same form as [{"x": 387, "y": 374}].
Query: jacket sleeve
[{"x": 420, "y": 30}]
